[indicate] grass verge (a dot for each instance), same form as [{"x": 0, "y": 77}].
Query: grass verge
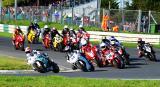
[
  {"x": 13, "y": 63},
  {"x": 58, "y": 81}
]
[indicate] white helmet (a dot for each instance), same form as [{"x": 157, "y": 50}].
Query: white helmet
[
  {"x": 46, "y": 26},
  {"x": 103, "y": 45},
  {"x": 83, "y": 42},
  {"x": 80, "y": 26},
  {"x": 27, "y": 50},
  {"x": 71, "y": 28},
  {"x": 65, "y": 26}
]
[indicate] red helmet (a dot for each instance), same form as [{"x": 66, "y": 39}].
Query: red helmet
[
  {"x": 27, "y": 50},
  {"x": 139, "y": 39}
]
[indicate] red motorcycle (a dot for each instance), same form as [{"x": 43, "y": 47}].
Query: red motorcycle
[
  {"x": 47, "y": 42},
  {"x": 114, "y": 58},
  {"x": 121, "y": 50},
  {"x": 19, "y": 42},
  {"x": 92, "y": 55}
]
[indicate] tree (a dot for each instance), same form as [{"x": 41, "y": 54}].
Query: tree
[
  {"x": 113, "y": 4},
  {"x": 144, "y": 5}
]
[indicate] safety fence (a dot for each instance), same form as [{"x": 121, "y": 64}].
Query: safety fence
[{"x": 97, "y": 36}]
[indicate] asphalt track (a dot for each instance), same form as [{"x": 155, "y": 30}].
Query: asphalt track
[{"x": 140, "y": 68}]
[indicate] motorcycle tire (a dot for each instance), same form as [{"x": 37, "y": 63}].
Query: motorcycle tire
[
  {"x": 82, "y": 65},
  {"x": 74, "y": 67},
  {"x": 21, "y": 46},
  {"x": 152, "y": 57},
  {"x": 118, "y": 65},
  {"x": 39, "y": 66},
  {"x": 60, "y": 48},
  {"x": 126, "y": 59},
  {"x": 55, "y": 68},
  {"x": 92, "y": 67}
]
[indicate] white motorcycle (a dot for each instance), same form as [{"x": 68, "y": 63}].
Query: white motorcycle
[
  {"x": 79, "y": 61},
  {"x": 148, "y": 52}
]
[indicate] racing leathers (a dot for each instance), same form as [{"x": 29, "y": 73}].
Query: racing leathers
[{"x": 15, "y": 33}]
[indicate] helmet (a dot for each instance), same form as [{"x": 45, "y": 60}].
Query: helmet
[
  {"x": 53, "y": 28},
  {"x": 71, "y": 29},
  {"x": 83, "y": 42},
  {"x": 27, "y": 50},
  {"x": 17, "y": 27},
  {"x": 46, "y": 26},
  {"x": 80, "y": 26},
  {"x": 65, "y": 26},
  {"x": 103, "y": 46},
  {"x": 139, "y": 39},
  {"x": 112, "y": 37}
]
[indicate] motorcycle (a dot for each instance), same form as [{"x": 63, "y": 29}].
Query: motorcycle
[
  {"x": 148, "y": 52},
  {"x": 31, "y": 36},
  {"x": 79, "y": 61},
  {"x": 57, "y": 44},
  {"x": 121, "y": 50},
  {"x": 38, "y": 31},
  {"x": 114, "y": 58},
  {"x": 47, "y": 42},
  {"x": 42, "y": 64},
  {"x": 19, "y": 42}
]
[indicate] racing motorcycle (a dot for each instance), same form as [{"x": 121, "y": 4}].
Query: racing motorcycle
[
  {"x": 148, "y": 52},
  {"x": 42, "y": 64},
  {"x": 19, "y": 42},
  {"x": 47, "y": 42},
  {"x": 121, "y": 50},
  {"x": 31, "y": 36},
  {"x": 79, "y": 61},
  {"x": 57, "y": 44},
  {"x": 38, "y": 31},
  {"x": 114, "y": 58}
]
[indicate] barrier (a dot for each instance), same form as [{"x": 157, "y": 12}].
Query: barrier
[{"x": 97, "y": 36}]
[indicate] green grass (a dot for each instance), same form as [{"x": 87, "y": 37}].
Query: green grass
[
  {"x": 58, "y": 81},
  {"x": 5, "y": 34},
  {"x": 13, "y": 63}
]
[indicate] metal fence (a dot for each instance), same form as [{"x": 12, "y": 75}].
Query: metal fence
[
  {"x": 127, "y": 20},
  {"x": 83, "y": 14}
]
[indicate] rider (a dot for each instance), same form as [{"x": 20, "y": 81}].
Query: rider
[
  {"x": 103, "y": 51},
  {"x": 54, "y": 32},
  {"x": 65, "y": 31},
  {"x": 32, "y": 55},
  {"x": 105, "y": 40},
  {"x": 46, "y": 30},
  {"x": 140, "y": 44},
  {"x": 72, "y": 33},
  {"x": 31, "y": 26},
  {"x": 16, "y": 32},
  {"x": 114, "y": 41},
  {"x": 84, "y": 45}
]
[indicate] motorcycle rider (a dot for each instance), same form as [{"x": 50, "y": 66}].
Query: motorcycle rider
[
  {"x": 140, "y": 44},
  {"x": 54, "y": 32},
  {"x": 114, "y": 41},
  {"x": 84, "y": 45},
  {"x": 103, "y": 51},
  {"x": 80, "y": 32},
  {"x": 65, "y": 33},
  {"x": 33, "y": 54},
  {"x": 65, "y": 30},
  {"x": 105, "y": 40},
  {"x": 46, "y": 30},
  {"x": 72, "y": 33},
  {"x": 31, "y": 26},
  {"x": 16, "y": 32}
]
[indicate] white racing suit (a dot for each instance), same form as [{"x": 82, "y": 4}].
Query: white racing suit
[{"x": 31, "y": 57}]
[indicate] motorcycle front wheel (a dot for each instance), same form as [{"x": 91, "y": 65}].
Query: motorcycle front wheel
[{"x": 55, "y": 68}]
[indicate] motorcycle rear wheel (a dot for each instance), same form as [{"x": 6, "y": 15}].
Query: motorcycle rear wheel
[{"x": 55, "y": 68}]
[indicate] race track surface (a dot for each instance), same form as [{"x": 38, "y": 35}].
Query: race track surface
[{"x": 140, "y": 68}]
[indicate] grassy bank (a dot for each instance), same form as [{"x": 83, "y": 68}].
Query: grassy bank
[
  {"x": 58, "y": 81},
  {"x": 12, "y": 63}
]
